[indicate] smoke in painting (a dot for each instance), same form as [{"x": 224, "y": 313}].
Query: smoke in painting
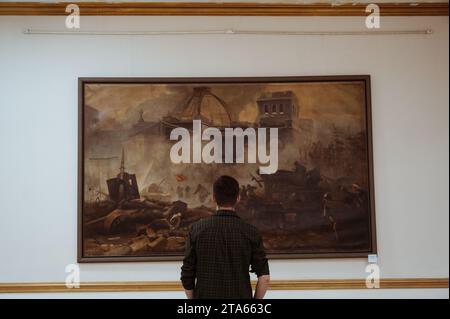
[{"x": 138, "y": 204}]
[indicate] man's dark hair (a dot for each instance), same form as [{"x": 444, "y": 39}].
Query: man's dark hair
[{"x": 226, "y": 191}]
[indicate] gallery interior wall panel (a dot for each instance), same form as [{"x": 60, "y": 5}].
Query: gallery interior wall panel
[{"x": 39, "y": 112}]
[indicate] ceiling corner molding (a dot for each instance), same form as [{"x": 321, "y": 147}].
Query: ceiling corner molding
[{"x": 219, "y": 9}]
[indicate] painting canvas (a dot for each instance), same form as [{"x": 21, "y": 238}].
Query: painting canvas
[{"x": 136, "y": 203}]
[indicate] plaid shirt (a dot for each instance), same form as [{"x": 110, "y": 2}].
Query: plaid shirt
[{"x": 220, "y": 250}]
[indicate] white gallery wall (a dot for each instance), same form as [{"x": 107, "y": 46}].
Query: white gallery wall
[{"x": 38, "y": 133}]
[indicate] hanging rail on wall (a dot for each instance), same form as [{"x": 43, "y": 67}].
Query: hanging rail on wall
[{"x": 30, "y": 31}]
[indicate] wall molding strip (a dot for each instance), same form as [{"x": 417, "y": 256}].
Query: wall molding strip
[{"x": 149, "y": 286}]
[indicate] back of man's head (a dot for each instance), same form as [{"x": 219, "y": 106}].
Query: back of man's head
[{"x": 226, "y": 191}]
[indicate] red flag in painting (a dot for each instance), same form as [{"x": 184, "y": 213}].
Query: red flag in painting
[{"x": 180, "y": 177}]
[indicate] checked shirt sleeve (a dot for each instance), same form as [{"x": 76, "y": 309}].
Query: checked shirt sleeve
[
  {"x": 188, "y": 270},
  {"x": 259, "y": 263}
]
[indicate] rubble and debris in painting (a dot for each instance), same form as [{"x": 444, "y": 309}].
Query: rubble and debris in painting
[{"x": 127, "y": 224}]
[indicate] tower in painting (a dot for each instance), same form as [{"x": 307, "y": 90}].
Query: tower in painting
[
  {"x": 278, "y": 109},
  {"x": 281, "y": 109}
]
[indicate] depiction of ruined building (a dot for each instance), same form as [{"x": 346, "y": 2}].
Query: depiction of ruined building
[
  {"x": 124, "y": 186},
  {"x": 282, "y": 110},
  {"x": 202, "y": 105},
  {"x": 278, "y": 109}
]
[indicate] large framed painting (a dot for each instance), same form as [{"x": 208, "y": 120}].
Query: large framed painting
[{"x": 150, "y": 149}]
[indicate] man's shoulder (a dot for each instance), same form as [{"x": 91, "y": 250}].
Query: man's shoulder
[
  {"x": 250, "y": 228},
  {"x": 201, "y": 223}
]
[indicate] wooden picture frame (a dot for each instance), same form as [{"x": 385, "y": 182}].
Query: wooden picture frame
[{"x": 85, "y": 84}]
